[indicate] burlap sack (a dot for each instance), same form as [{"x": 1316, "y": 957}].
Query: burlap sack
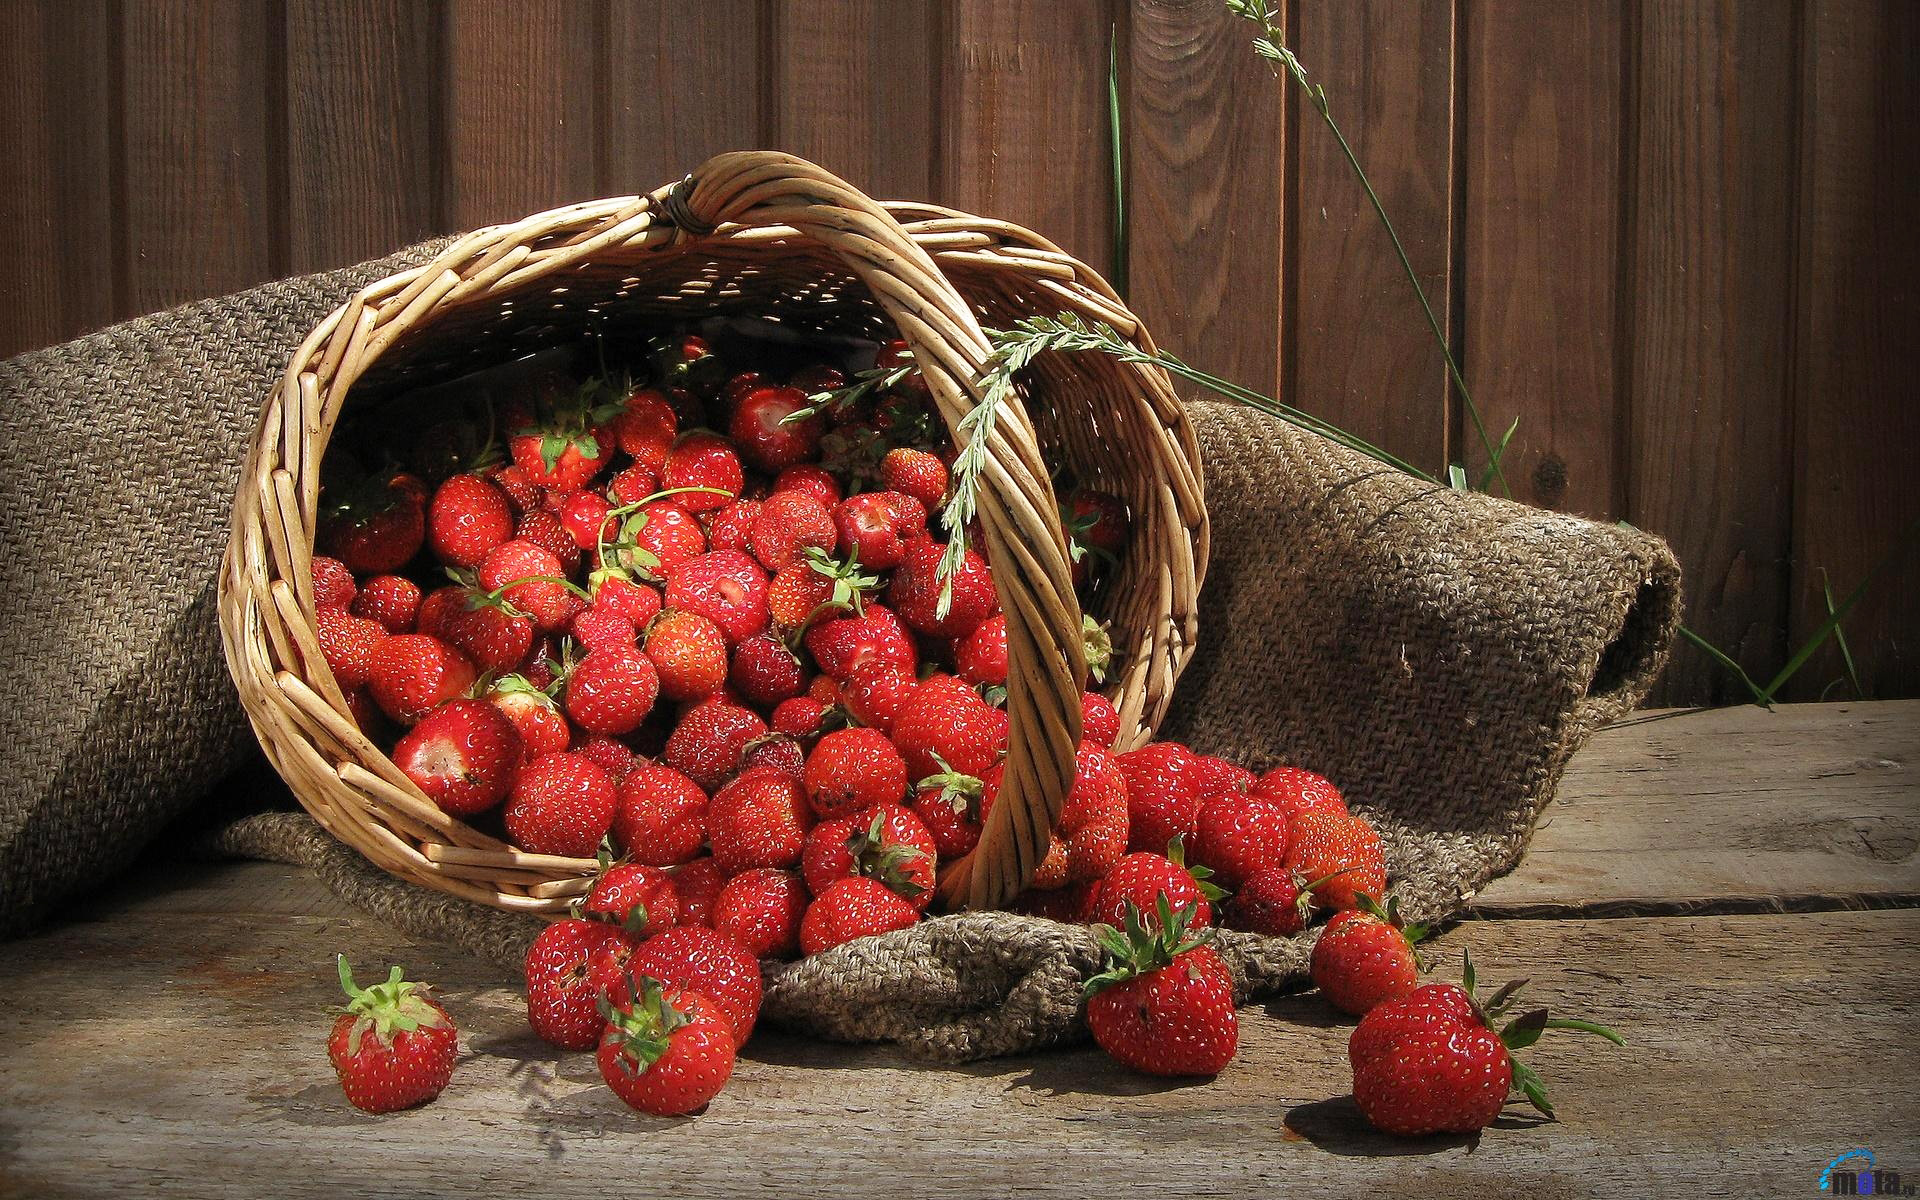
[{"x": 1440, "y": 655}]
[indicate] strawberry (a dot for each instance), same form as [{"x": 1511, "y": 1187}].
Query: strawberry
[
  {"x": 413, "y": 673},
  {"x": 465, "y": 755},
  {"x": 1430, "y": 1061},
  {"x": 614, "y": 757},
  {"x": 1274, "y": 902},
  {"x": 611, "y": 691},
  {"x": 1099, "y": 720},
  {"x": 1164, "y": 1002},
  {"x": 1140, "y": 880},
  {"x": 698, "y": 884},
  {"x": 468, "y": 518},
  {"x": 639, "y": 899},
  {"x": 705, "y": 462},
  {"x": 487, "y": 628},
  {"x": 392, "y": 600},
  {"x": 770, "y": 434},
  {"x": 707, "y": 744},
  {"x": 814, "y": 481},
  {"x": 945, "y": 721},
  {"x": 437, "y": 606},
  {"x": 1239, "y": 835},
  {"x": 1163, "y": 802},
  {"x": 776, "y": 750},
  {"x": 393, "y": 1047},
  {"x": 761, "y": 910},
  {"x": 613, "y": 590},
  {"x": 561, "y": 804},
  {"x": 760, "y": 819},
  {"x": 738, "y": 385},
  {"x": 349, "y": 645},
  {"x": 1098, "y": 520},
  {"x": 533, "y": 713},
  {"x": 654, "y": 539},
  {"x": 597, "y": 627},
  {"x": 632, "y": 484},
  {"x": 731, "y": 527},
  {"x": 1216, "y": 777},
  {"x": 662, "y": 816},
  {"x": 686, "y": 363},
  {"x": 765, "y": 672},
  {"x": 665, "y": 1053},
  {"x": 1091, "y": 834},
  {"x": 1364, "y": 957},
  {"x": 698, "y": 958},
  {"x": 565, "y": 441},
  {"x": 646, "y": 429},
  {"x": 586, "y": 517},
  {"x": 1297, "y": 790},
  {"x": 690, "y": 654},
  {"x": 1071, "y": 905},
  {"x": 724, "y": 586},
  {"x": 374, "y": 525},
  {"x": 875, "y": 527},
  {"x": 915, "y": 473},
  {"x": 531, "y": 579},
  {"x": 563, "y": 1001},
  {"x": 1341, "y": 848},
  {"x": 801, "y": 717},
  {"x": 852, "y": 770},
  {"x": 796, "y": 595},
  {"x": 333, "y": 585},
  {"x": 850, "y": 908},
  {"x": 841, "y": 644},
  {"x": 887, "y": 842},
  {"x": 787, "y": 524},
  {"x": 948, "y": 803},
  {"x": 980, "y": 658},
  {"x": 522, "y": 493},
  {"x": 916, "y": 591},
  {"x": 875, "y": 692}
]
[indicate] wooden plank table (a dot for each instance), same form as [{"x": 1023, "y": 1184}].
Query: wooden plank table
[{"x": 1733, "y": 889}]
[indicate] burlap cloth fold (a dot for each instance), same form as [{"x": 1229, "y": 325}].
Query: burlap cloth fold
[{"x": 1440, "y": 655}]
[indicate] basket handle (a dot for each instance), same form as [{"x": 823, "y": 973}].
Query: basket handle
[{"x": 1016, "y": 504}]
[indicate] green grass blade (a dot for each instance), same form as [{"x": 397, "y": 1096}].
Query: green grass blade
[
  {"x": 1500, "y": 452},
  {"x": 1120, "y": 238},
  {"x": 1836, "y": 615},
  {"x": 1840, "y": 639},
  {"x": 1739, "y": 672}
]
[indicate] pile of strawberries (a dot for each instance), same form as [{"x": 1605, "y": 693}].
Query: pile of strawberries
[{"x": 748, "y": 671}]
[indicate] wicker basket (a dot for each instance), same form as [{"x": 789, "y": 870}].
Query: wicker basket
[{"x": 776, "y": 236}]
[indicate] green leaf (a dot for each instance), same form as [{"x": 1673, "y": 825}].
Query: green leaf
[
  {"x": 1525, "y": 1029},
  {"x": 1456, "y": 477},
  {"x": 1531, "y": 1087},
  {"x": 1118, "y": 151},
  {"x": 1592, "y": 1027},
  {"x": 1466, "y": 971}
]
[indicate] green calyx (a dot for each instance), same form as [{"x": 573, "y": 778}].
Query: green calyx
[
  {"x": 1200, "y": 874},
  {"x": 850, "y": 584},
  {"x": 958, "y": 790},
  {"x": 1139, "y": 950},
  {"x": 1524, "y": 1030},
  {"x": 1097, "y": 644},
  {"x": 571, "y": 420},
  {"x": 643, "y": 1030},
  {"x": 1390, "y": 915},
  {"x": 884, "y": 861},
  {"x": 395, "y": 1006}
]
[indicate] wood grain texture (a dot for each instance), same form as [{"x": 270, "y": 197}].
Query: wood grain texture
[
  {"x": 1206, "y": 141},
  {"x": 1857, "y": 425},
  {"x": 1026, "y": 137},
  {"x": 684, "y": 83},
  {"x": 363, "y": 96},
  {"x": 203, "y": 151},
  {"x": 1365, "y": 358},
  {"x": 1543, "y": 197},
  {"x": 58, "y": 69},
  {"x": 857, "y": 87},
  {"x": 1821, "y": 1072},
  {"x": 522, "y": 103},
  {"x": 1710, "y": 322}
]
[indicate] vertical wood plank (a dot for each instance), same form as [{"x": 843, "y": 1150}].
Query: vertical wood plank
[
  {"x": 1026, "y": 137},
  {"x": 362, "y": 87},
  {"x": 684, "y": 85},
  {"x": 57, "y": 65},
  {"x": 203, "y": 149},
  {"x": 1710, "y": 317},
  {"x": 523, "y": 128},
  {"x": 857, "y": 90},
  {"x": 1206, "y": 140},
  {"x": 1365, "y": 357},
  {"x": 1857, "y": 426},
  {"x": 1542, "y": 258}
]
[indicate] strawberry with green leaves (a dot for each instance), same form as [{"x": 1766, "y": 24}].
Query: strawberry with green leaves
[
  {"x": 1164, "y": 1002},
  {"x": 565, "y": 441},
  {"x": 667, "y": 1053},
  {"x": 706, "y": 961},
  {"x": 374, "y": 525},
  {"x": 888, "y": 843},
  {"x": 1139, "y": 881},
  {"x": 1341, "y": 848},
  {"x": 1366, "y": 956},
  {"x": 393, "y": 1047},
  {"x": 850, "y": 908},
  {"x": 638, "y": 899}
]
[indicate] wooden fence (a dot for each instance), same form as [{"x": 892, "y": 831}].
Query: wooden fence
[{"x": 1672, "y": 237}]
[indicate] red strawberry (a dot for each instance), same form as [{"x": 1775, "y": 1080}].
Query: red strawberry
[
  {"x": 1164, "y": 1004},
  {"x": 787, "y": 524},
  {"x": 888, "y": 843},
  {"x": 797, "y": 595},
  {"x": 875, "y": 527},
  {"x": 639, "y": 899},
  {"x": 1297, "y": 790},
  {"x": 348, "y": 644},
  {"x": 947, "y": 721},
  {"x": 761, "y": 910},
  {"x": 1273, "y": 902},
  {"x": 562, "y": 804},
  {"x": 916, "y": 473},
  {"x": 373, "y": 525},
  {"x": 563, "y": 999},
  {"x": 488, "y": 629},
  {"x": 413, "y": 673},
  {"x": 613, "y": 590},
  {"x": 534, "y": 715},
  {"x": 1216, "y": 777},
  {"x": 724, "y": 586},
  {"x": 611, "y": 691},
  {"x": 851, "y": 770},
  {"x": 333, "y": 585},
  {"x": 1342, "y": 849},
  {"x": 468, "y": 518},
  {"x": 1141, "y": 879},
  {"x": 1071, "y": 905},
  {"x": 841, "y": 644},
  {"x": 698, "y": 883},
  {"x": 1239, "y": 836},
  {"x": 775, "y": 750},
  {"x": 616, "y": 758},
  {"x": 1099, "y": 721},
  {"x": 565, "y": 443},
  {"x": 916, "y": 591},
  {"x": 949, "y": 804},
  {"x": 465, "y": 755},
  {"x": 874, "y": 694},
  {"x": 708, "y": 743},
  {"x": 765, "y": 428},
  {"x": 585, "y": 518},
  {"x": 852, "y": 908},
  {"x": 697, "y": 958},
  {"x": 632, "y": 484},
  {"x": 665, "y": 1053},
  {"x": 1162, "y": 801},
  {"x": 439, "y": 604},
  {"x": 1364, "y": 957},
  {"x": 731, "y": 527},
  {"x": 655, "y": 539},
  {"x": 522, "y": 492},
  {"x": 690, "y": 654},
  {"x": 685, "y": 363},
  {"x": 765, "y": 672},
  {"x": 801, "y": 717},
  {"x": 1091, "y": 834},
  {"x": 394, "y": 1047},
  {"x": 814, "y": 481},
  {"x": 758, "y": 820},
  {"x": 597, "y": 627},
  {"x": 1098, "y": 520},
  {"x": 980, "y": 658},
  {"x": 662, "y": 817},
  {"x": 392, "y": 600},
  {"x": 705, "y": 462},
  {"x": 646, "y": 429}
]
